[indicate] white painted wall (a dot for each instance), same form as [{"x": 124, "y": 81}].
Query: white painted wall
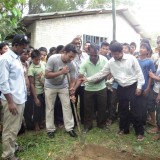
[{"x": 53, "y": 32}]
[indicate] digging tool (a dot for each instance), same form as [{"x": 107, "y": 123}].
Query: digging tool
[
  {"x": 82, "y": 139},
  {"x": 75, "y": 110}
]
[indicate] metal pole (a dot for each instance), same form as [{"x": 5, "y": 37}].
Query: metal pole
[{"x": 114, "y": 19}]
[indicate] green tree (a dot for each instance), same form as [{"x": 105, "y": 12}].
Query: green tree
[
  {"x": 10, "y": 16},
  {"x": 41, "y": 6}
]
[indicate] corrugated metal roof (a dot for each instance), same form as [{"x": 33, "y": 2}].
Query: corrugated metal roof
[{"x": 128, "y": 16}]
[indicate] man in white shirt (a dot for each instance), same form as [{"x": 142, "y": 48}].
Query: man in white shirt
[
  {"x": 127, "y": 72},
  {"x": 14, "y": 94}
]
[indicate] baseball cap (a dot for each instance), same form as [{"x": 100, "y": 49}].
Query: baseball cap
[{"x": 20, "y": 39}]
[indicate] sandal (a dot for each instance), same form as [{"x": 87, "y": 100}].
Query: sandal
[
  {"x": 151, "y": 123},
  {"x": 156, "y": 138},
  {"x": 153, "y": 131},
  {"x": 109, "y": 122}
]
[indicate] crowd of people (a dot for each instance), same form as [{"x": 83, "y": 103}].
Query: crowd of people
[{"x": 105, "y": 83}]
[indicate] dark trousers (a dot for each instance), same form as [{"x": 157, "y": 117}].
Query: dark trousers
[
  {"x": 154, "y": 106},
  {"x": 142, "y": 102},
  {"x": 129, "y": 113},
  {"x": 80, "y": 93},
  {"x": 28, "y": 113},
  {"x": 39, "y": 111},
  {"x": 113, "y": 112},
  {"x": 109, "y": 98},
  {"x": 89, "y": 99}
]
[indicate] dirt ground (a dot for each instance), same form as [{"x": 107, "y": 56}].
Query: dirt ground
[{"x": 95, "y": 152}]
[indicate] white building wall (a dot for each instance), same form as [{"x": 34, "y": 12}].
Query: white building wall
[{"x": 53, "y": 32}]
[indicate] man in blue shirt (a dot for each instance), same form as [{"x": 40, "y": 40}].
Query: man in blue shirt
[{"x": 14, "y": 93}]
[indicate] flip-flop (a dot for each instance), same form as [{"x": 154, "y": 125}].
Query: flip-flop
[
  {"x": 156, "y": 138},
  {"x": 152, "y": 131},
  {"x": 151, "y": 123}
]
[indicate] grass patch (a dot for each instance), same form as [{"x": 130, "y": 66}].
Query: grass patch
[{"x": 39, "y": 147}]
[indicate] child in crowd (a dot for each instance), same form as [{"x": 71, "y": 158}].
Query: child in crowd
[
  {"x": 43, "y": 52},
  {"x": 146, "y": 66},
  {"x": 155, "y": 96},
  {"x": 133, "y": 47},
  {"x": 3, "y": 47},
  {"x": 36, "y": 74},
  {"x": 156, "y": 101},
  {"x": 126, "y": 48}
]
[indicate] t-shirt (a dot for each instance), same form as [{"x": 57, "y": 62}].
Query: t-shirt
[
  {"x": 88, "y": 69},
  {"x": 55, "y": 64},
  {"x": 37, "y": 72},
  {"x": 146, "y": 66},
  {"x": 155, "y": 57},
  {"x": 156, "y": 86}
]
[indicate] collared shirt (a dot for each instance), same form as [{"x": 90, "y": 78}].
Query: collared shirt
[
  {"x": 12, "y": 77},
  {"x": 155, "y": 58},
  {"x": 78, "y": 61},
  {"x": 37, "y": 72},
  {"x": 87, "y": 68},
  {"x": 126, "y": 71}
]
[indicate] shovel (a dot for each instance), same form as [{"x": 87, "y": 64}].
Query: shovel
[{"x": 76, "y": 116}]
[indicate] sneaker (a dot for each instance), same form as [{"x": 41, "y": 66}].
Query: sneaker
[
  {"x": 140, "y": 137},
  {"x": 50, "y": 134}
]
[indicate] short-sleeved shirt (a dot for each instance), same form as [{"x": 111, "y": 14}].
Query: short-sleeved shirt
[
  {"x": 156, "y": 86},
  {"x": 55, "y": 64},
  {"x": 155, "y": 57},
  {"x": 88, "y": 68},
  {"x": 146, "y": 66},
  {"x": 37, "y": 72}
]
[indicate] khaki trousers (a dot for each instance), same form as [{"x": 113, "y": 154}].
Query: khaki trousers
[
  {"x": 11, "y": 127},
  {"x": 50, "y": 97}
]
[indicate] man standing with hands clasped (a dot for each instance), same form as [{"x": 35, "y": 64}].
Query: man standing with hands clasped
[
  {"x": 127, "y": 72},
  {"x": 56, "y": 83},
  {"x": 14, "y": 94}
]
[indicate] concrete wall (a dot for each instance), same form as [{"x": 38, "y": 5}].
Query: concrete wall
[{"x": 53, "y": 32}]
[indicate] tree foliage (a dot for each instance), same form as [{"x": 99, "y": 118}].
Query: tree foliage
[
  {"x": 10, "y": 15},
  {"x": 11, "y": 10},
  {"x": 41, "y": 6}
]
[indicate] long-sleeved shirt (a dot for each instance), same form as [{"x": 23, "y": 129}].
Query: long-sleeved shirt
[
  {"x": 125, "y": 71},
  {"x": 12, "y": 77},
  {"x": 78, "y": 61}
]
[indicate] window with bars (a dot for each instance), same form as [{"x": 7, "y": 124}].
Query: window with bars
[{"x": 94, "y": 39}]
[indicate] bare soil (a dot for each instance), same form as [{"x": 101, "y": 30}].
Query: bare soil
[{"x": 96, "y": 152}]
